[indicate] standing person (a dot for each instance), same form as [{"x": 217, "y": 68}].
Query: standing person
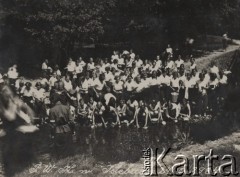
[
  {"x": 169, "y": 50},
  {"x": 45, "y": 65},
  {"x": 12, "y": 75},
  {"x": 203, "y": 97},
  {"x": 60, "y": 116},
  {"x": 17, "y": 152},
  {"x": 118, "y": 87},
  {"x": 224, "y": 41},
  {"x": 179, "y": 61},
  {"x": 71, "y": 67},
  {"x": 39, "y": 97}
]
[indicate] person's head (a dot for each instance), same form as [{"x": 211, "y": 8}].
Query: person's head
[
  {"x": 74, "y": 85},
  {"x": 46, "y": 61},
  {"x": 204, "y": 71},
  {"x": 99, "y": 104},
  {"x": 56, "y": 67},
  {"x": 158, "y": 57},
  {"x": 81, "y": 101},
  {"x": 213, "y": 63},
  {"x": 133, "y": 64},
  {"x": 28, "y": 85},
  {"x": 201, "y": 76},
  {"x": 181, "y": 83},
  {"x": 168, "y": 71},
  {"x": 154, "y": 63},
  {"x": 182, "y": 67},
  {"x": 154, "y": 101},
  {"x": 179, "y": 57},
  {"x": 113, "y": 71},
  {"x": 141, "y": 103},
  {"x": 164, "y": 72},
  {"x": 138, "y": 79},
  {"x": 56, "y": 86},
  {"x": 15, "y": 66},
  {"x": 115, "y": 61},
  {"x": 107, "y": 69},
  {"x": 117, "y": 78},
  {"x": 137, "y": 58},
  {"x": 38, "y": 85},
  {"x": 154, "y": 74},
  {"x": 67, "y": 78},
  {"x": 213, "y": 76},
  {"x": 87, "y": 75},
  {"x": 91, "y": 60},
  {"x": 91, "y": 100},
  {"x": 175, "y": 75},
  {"x": 54, "y": 74},
  {"x": 169, "y": 104},
  {"x": 94, "y": 75},
  {"x": 70, "y": 59},
  {"x": 129, "y": 78},
  {"x": 192, "y": 60},
  {"x": 145, "y": 61},
  {"x": 108, "y": 89},
  {"x": 102, "y": 77},
  {"x": 122, "y": 101},
  {"x": 194, "y": 72},
  {"x": 168, "y": 46},
  {"x": 188, "y": 76},
  {"x": 106, "y": 60},
  {"x": 60, "y": 86}
]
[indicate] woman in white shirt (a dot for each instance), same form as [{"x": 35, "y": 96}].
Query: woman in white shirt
[
  {"x": 175, "y": 82},
  {"x": 179, "y": 61},
  {"x": 193, "y": 64},
  {"x": 67, "y": 83},
  {"x": 90, "y": 65},
  {"x": 155, "y": 109},
  {"x": 118, "y": 87},
  {"x": 71, "y": 67},
  {"x": 39, "y": 96}
]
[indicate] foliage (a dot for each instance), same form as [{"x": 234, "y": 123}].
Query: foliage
[
  {"x": 63, "y": 23},
  {"x": 59, "y": 22}
]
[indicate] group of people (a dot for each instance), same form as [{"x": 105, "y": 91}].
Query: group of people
[{"x": 124, "y": 89}]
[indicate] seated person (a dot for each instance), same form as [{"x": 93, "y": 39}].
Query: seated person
[
  {"x": 98, "y": 119},
  {"x": 141, "y": 115},
  {"x": 125, "y": 112},
  {"x": 185, "y": 110},
  {"x": 82, "y": 112},
  {"x": 172, "y": 111},
  {"x": 154, "y": 109}
]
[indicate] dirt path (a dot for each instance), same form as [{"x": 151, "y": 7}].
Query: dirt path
[{"x": 221, "y": 57}]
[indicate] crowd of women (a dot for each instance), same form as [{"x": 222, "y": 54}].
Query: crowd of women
[{"x": 124, "y": 89}]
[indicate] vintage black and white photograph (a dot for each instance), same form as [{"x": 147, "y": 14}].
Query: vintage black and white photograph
[{"x": 119, "y": 88}]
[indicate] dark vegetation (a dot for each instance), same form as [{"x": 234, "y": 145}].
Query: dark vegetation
[{"x": 33, "y": 30}]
